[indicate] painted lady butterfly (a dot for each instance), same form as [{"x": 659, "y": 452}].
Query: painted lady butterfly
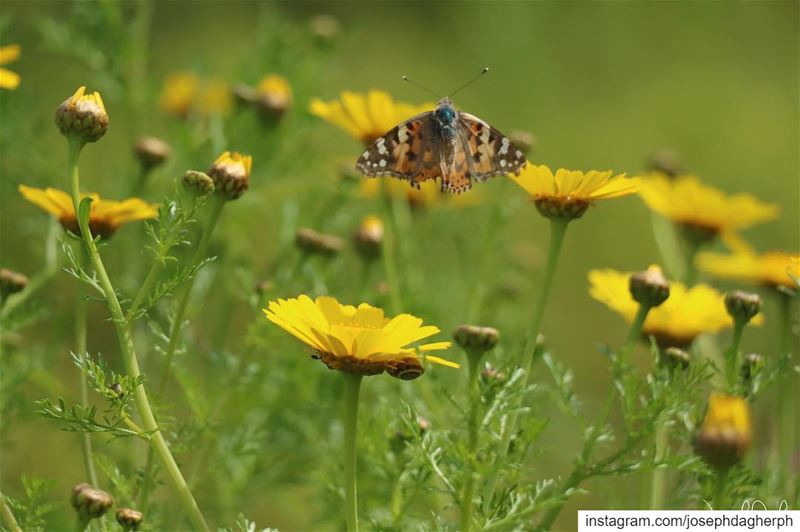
[{"x": 446, "y": 143}]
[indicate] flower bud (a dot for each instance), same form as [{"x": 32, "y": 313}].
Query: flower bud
[
  {"x": 90, "y": 503},
  {"x": 197, "y": 183},
  {"x": 665, "y": 161},
  {"x": 116, "y": 389},
  {"x": 151, "y": 152},
  {"x": 11, "y": 282},
  {"x": 676, "y": 358},
  {"x": 423, "y": 424},
  {"x": 724, "y": 436},
  {"x": 129, "y": 519},
  {"x": 475, "y": 338},
  {"x": 751, "y": 365},
  {"x": 311, "y": 241},
  {"x": 83, "y": 116},
  {"x": 524, "y": 140},
  {"x": 369, "y": 236},
  {"x": 565, "y": 208},
  {"x": 244, "y": 95},
  {"x": 231, "y": 174},
  {"x": 492, "y": 375},
  {"x": 742, "y": 306},
  {"x": 273, "y": 96},
  {"x": 650, "y": 287},
  {"x": 324, "y": 27}
]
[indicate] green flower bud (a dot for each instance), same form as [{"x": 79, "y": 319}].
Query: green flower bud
[
  {"x": 151, "y": 151},
  {"x": 650, "y": 287},
  {"x": 231, "y": 174},
  {"x": 83, "y": 116},
  {"x": 129, "y": 519},
  {"x": 475, "y": 338},
  {"x": 742, "y": 306},
  {"x": 197, "y": 183},
  {"x": 314, "y": 242},
  {"x": 90, "y": 503}
]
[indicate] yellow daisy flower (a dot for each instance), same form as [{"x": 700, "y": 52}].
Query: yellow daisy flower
[
  {"x": 273, "y": 95},
  {"x": 105, "y": 217},
  {"x": 366, "y": 116},
  {"x": 568, "y": 193},
  {"x": 358, "y": 340},
  {"x": 725, "y": 434},
  {"x": 773, "y": 268},
  {"x": 179, "y": 94},
  {"x": 9, "y": 54},
  {"x": 687, "y": 313},
  {"x": 703, "y": 208}
]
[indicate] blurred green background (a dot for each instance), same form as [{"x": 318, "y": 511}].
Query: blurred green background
[{"x": 601, "y": 84}]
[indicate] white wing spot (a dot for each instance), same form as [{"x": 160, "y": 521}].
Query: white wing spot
[
  {"x": 381, "y": 147},
  {"x": 365, "y": 154},
  {"x": 503, "y": 163},
  {"x": 518, "y": 154},
  {"x": 382, "y": 163},
  {"x": 504, "y": 146}
]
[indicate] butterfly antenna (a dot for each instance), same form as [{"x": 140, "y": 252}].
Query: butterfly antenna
[
  {"x": 470, "y": 82},
  {"x": 417, "y": 85}
]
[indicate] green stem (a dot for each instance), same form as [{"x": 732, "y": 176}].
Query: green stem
[
  {"x": 352, "y": 387},
  {"x": 217, "y": 202},
  {"x": 689, "y": 269},
  {"x": 659, "y": 478},
  {"x": 558, "y": 228},
  {"x": 128, "y": 353},
  {"x": 732, "y": 355},
  {"x": 635, "y": 331},
  {"x": 8, "y": 515},
  {"x": 720, "y": 485},
  {"x": 81, "y": 523},
  {"x": 389, "y": 254},
  {"x": 80, "y": 350},
  {"x": 468, "y": 493},
  {"x": 789, "y": 424}
]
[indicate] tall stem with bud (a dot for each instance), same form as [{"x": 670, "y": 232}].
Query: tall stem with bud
[
  {"x": 350, "y": 418},
  {"x": 127, "y": 347}
]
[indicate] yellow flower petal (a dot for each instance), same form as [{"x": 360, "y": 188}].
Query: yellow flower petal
[
  {"x": 8, "y": 79},
  {"x": 686, "y": 200},
  {"x": 355, "y": 339},
  {"x": 9, "y": 53}
]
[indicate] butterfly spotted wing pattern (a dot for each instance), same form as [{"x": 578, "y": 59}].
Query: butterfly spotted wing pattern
[
  {"x": 408, "y": 152},
  {"x": 418, "y": 150},
  {"x": 489, "y": 152}
]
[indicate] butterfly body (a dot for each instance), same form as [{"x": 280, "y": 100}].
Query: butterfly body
[{"x": 444, "y": 143}]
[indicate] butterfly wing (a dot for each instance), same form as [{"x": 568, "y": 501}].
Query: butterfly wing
[
  {"x": 488, "y": 152},
  {"x": 407, "y": 152}
]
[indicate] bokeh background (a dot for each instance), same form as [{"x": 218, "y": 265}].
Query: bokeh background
[{"x": 601, "y": 85}]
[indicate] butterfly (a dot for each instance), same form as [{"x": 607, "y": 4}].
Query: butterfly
[{"x": 444, "y": 143}]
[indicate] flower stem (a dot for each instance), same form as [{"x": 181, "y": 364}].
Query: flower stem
[
  {"x": 351, "y": 391},
  {"x": 558, "y": 228},
  {"x": 720, "y": 481},
  {"x": 732, "y": 355},
  {"x": 659, "y": 478},
  {"x": 217, "y": 202},
  {"x": 80, "y": 350},
  {"x": 472, "y": 440},
  {"x": 127, "y": 350},
  {"x": 8, "y": 515},
  {"x": 635, "y": 331},
  {"x": 389, "y": 253},
  {"x": 81, "y": 523}
]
